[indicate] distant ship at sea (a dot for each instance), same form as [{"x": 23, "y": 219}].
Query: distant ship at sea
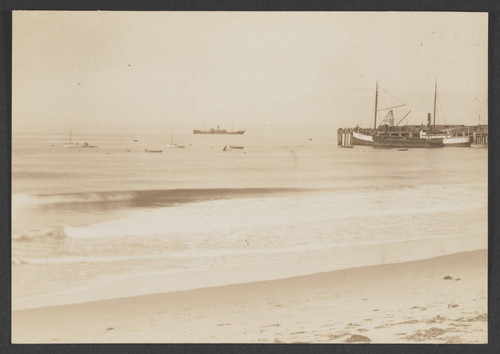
[{"x": 218, "y": 131}]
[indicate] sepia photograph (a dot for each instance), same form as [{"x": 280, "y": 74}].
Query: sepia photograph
[{"x": 249, "y": 177}]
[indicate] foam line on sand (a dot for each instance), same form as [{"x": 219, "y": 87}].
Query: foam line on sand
[{"x": 437, "y": 300}]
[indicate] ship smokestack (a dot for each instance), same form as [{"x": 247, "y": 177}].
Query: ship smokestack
[{"x": 429, "y": 121}]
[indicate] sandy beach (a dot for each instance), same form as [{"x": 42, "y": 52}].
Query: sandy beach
[
  {"x": 249, "y": 177},
  {"x": 438, "y": 300}
]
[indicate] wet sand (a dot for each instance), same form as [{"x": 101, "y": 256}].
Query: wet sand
[{"x": 438, "y": 300}]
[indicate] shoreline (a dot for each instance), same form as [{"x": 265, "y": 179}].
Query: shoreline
[
  {"x": 334, "y": 259},
  {"x": 403, "y": 302}
]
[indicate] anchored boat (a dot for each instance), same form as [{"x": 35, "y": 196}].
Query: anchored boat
[
  {"x": 172, "y": 145},
  {"x": 71, "y": 144}
]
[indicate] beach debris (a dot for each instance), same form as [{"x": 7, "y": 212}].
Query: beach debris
[
  {"x": 451, "y": 306},
  {"x": 352, "y": 324},
  {"x": 454, "y": 340},
  {"x": 375, "y": 309},
  {"x": 223, "y": 324},
  {"x": 337, "y": 336},
  {"x": 110, "y": 328},
  {"x": 458, "y": 279},
  {"x": 357, "y": 338},
  {"x": 437, "y": 319},
  {"x": 482, "y": 317},
  {"x": 426, "y": 334},
  {"x": 448, "y": 278},
  {"x": 397, "y": 324},
  {"x": 421, "y": 308}
]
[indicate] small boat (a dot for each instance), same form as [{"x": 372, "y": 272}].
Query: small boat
[
  {"x": 70, "y": 144},
  {"x": 236, "y": 147},
  {"x": 172, "y": 145},
  {"x": 153, "y": 151},
  {"x": 87, "y": 146}
]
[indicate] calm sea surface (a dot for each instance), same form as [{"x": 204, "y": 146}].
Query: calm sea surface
[{"x": 84, "y": 215}]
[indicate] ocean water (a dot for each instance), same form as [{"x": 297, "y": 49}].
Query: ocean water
[{"x": 81, "y": 217}]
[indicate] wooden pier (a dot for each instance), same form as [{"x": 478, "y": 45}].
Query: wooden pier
[
  {"x": 344, "y": 137},
  {"x": 480, "y": 136}
]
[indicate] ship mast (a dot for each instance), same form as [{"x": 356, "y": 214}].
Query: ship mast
[
  {"x": 376, "y": 103},
  {"x": 435, "y": 94}
]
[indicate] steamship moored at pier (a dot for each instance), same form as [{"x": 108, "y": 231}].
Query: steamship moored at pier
[{"x": 388, "y": 134}]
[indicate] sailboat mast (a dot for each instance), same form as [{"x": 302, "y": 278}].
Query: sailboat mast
[
  {"x": 435, "y": 95},
  {"x": 376, "y": 103}
]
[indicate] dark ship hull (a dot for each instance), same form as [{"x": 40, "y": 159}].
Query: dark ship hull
[
  {"x": 385, "y": 141},
  {"x": 213, "y": 131}
]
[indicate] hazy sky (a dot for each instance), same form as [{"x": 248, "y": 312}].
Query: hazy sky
[{"x": 119, "y": 71}]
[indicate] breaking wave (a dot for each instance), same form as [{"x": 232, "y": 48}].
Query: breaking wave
[{"x": 143, "y": 197}]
